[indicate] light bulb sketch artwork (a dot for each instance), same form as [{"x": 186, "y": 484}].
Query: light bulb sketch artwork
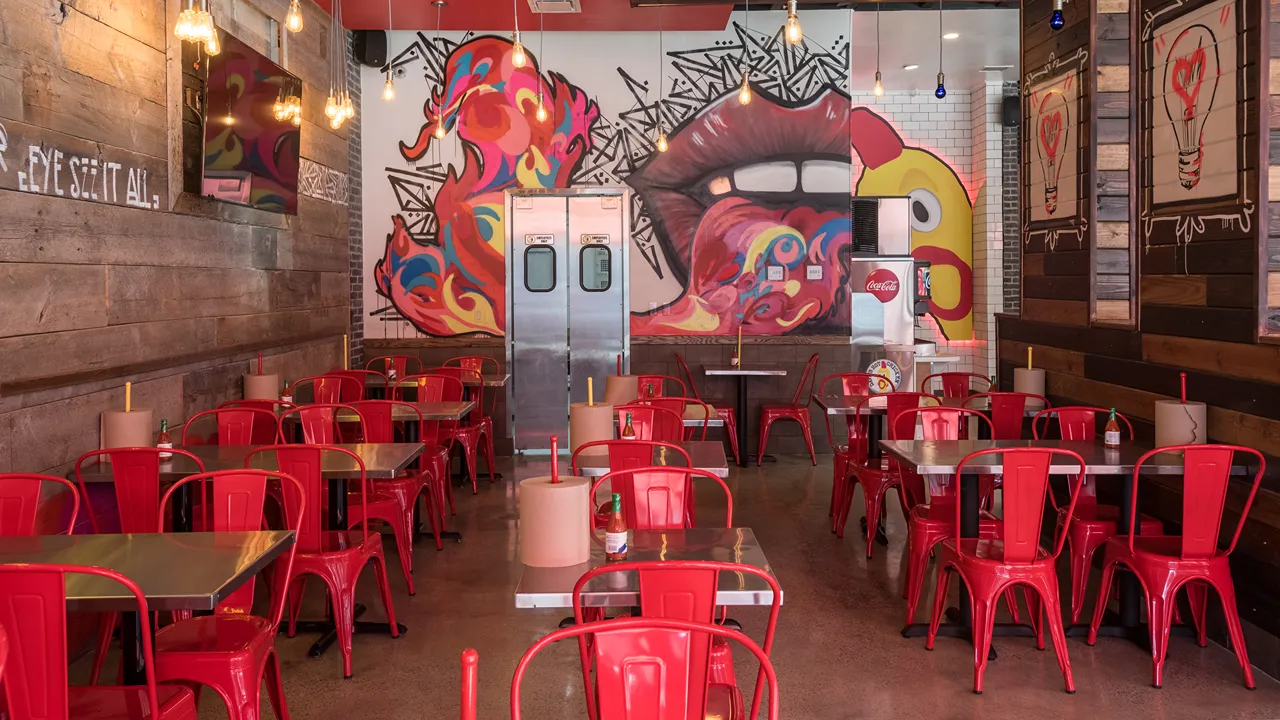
[
  {"x": 1194, "y": 107},
  {"x": 1190, "y": 85},
  {"x": 1051, "y": 141},
  {"x": 1052, "y": 165}
]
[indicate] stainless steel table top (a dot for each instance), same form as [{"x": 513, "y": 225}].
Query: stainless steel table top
[
  {"x": 175, "y": 571},
  {"x": 941, "y": 457},
  {"x": 704, "y": 454},
  {"x": 492, "y": 380},
  {"x": 693, "y": 415},
  {"x": 383, "y": 461},
  {"x": 452, "y": 410},
  {"x": 750, "y": 370},
  {"x": 835, "y": 404},
  {"x": 553, "y": 587}
]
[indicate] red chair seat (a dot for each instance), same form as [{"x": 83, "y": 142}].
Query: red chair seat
[
  {"x": 1091, "y": 526},
  {"x": 1111, "y": 514},
  {"x": 129, "y": 703},
  {"x": 1155, "y": 548},
  {"x": 724, "y": 702},
  {"x": 341, "y": 541},
  {"x": 215, "y": 634},
  {"x": 984, "y": 550}
]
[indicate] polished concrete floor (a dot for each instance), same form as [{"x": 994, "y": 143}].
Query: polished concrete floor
[{"x": 838, "y": 653}]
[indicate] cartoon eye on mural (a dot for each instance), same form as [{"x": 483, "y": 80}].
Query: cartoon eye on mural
[{"x": 1190, "y": 84}]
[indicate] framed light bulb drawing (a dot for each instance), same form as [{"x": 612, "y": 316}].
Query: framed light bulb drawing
[
  {"x": 1199, "y": 158},
  {"x": 1055, "y": 158}
]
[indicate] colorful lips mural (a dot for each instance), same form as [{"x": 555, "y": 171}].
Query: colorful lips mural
[{"x": 742, "y": 188}]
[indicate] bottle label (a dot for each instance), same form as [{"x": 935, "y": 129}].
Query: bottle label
[
  {"x": 286, "y": 398},
  {"x": 1111, "y": 437},
  {"x": 615, "y": 543},
  {"x": 391, "y": 373},
  {"x": 165, "y": 446}
]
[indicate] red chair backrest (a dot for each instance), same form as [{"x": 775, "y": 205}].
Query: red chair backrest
[
  {"x": 643, "y": 667},
  {"x": 937, "y": 423},
  {"x": 470, "y": 681},
  {"x": 135, "y": 472},
  {"x": 853, "y": 384},
  {"x": 33, "y": 604},
  {"x": 1006, "y": 412},
  {"x": 329, "y": 388},
  {"x": 362, "y": 377},
  {"x": 659, "y": 384},
  {"x": 235, "y": 500},
  {"x": 684, "y": 368},
  {"x": 404, "y": 364},
  {"x": 898, "y": 402},
  {"x": 306, "y": 463},
  {"x": 1206, "y": 474},
  {"x": 379, "y": 425},
  {"x": 1025, "y": 489},
  {"x": 262, "y": 435},
  {"x": 20, "y": 495},
  {"x": 651, "y": 422},
  {"x": 656, "y": 498},
  {"x": 627, "y": 455},
  {"x": 479, "y": 363},
  {"x": 680, "y": 590},
  {"x": 1075, "y": 422},
  {"x": 810, "y": 376},
  {"x": 451, "y": 388},
  {"x": 679, "y": 405},
  {"x": 320, "y": 422},
  {"x": 467, "y": 378},
  {"x": 235, "y": 426},
  {"x": 957, "y": 384}
]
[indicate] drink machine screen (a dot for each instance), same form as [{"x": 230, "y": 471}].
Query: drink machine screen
[{"x": 924, "y": 287}]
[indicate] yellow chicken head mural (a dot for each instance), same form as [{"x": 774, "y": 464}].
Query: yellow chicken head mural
[{"x": 941, "y": 213}]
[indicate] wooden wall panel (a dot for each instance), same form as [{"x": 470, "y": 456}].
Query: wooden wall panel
[{"x": 42, "y": 298}]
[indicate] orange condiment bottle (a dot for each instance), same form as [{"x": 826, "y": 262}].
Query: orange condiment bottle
[
  {"x": 628, "y": 432},
  {"x": 164, "y": 441},
  {"x": 615, "y": 533},
  {"x": 286, "y": 395},
  {"x": 1111, "y": 434}
]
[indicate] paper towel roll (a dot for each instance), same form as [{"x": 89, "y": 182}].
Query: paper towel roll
[
  {"x": 126, "y": 429},
  {"x": 262, "y": 387},
  {"x": 620, "y": 389},
  {"x": 555, "y": 521},
  {"x": 588, "y": 423},
  {"x": 1029, "y": 380},
  {"x": 1180, "y": 424}
]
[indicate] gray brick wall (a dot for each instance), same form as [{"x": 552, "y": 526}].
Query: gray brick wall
[
  {"x": 1012, "y": 257},
  {"x": 355, "y": 237}
]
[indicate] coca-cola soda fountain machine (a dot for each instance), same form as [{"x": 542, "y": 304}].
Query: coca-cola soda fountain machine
[{"x": 888, "y": 289}]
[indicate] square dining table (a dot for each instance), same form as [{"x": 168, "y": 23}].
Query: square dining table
[
  {"x": 705, "y": 455},
  {"x": 743, "y": 374}
]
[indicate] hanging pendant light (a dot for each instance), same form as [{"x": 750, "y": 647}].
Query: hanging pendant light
[
  {"x": 661, "y": 141},
  {"x": 389, "y": 86},
  {"x": 793, "y": 32},
  {"x": 338, "y": 108},
  {"x": 744, "y": 91},
  {"x": 440, "y": 131},
  {"x": 195, "y": 24},
  {"x": 293, "y": 21},
  {"x": 1057, "y": 20},
  {"x": 518, "y": 57},
  {"x": 878, "y": 88},
  {"x": 541, "y": 113},
  {"x": 212, "y": 46},
  {"x": 941, "y": 91}
]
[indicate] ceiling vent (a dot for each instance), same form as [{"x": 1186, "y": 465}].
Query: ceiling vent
[
  {"x": 996, "y": 68},
  {"x": 555, "y": 6}
]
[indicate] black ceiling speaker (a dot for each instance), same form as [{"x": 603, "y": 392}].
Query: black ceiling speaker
[
  {"x": 371, "y": 47},
  {"x": 1011, "y": 111}
]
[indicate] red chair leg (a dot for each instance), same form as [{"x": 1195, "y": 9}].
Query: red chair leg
[
  {"x": 808, "y": 437},
  {"x": 1046, "y": 590},
  {"x": 275, "y": 688},
  {"x": 1159, "y": 619},
  {"x": 838, "y": 465},
  {"x": 1227, "y": 592},
  {"x": 1198, "y": 596},
  {"x": 1080, "y": 550},
  {"x": 731, "y": 432},
  {"x": 847, "y": 505},
  {"x": 939, "y": 604},
  {"x": 488, "y": 456},
  {"x": 106, "y": 628},
  {"x": 433, "y": 512},
  {"x": 1100, "y": 609},
  {"x": 984, "y": 618},
  {"x": 873, "y": 501},
  {"x": 765, "y": 424},
  {"x": 380, "y": 572},
  {"x": 918, "y": 547}
]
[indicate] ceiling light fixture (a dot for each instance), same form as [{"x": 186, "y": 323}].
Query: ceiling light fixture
[
  {"x": 389, "y": 87},
  {"x": 1056, "y": 20},
  {"x": 541, "y": 113},
  {"x": 293, "y": 21},
  {"x": 794, "y": 33},
  {"x": 951, "y": 36},
  {"x": 910, "y": 67},
  {"x": 878, "y": 88},
  {"x": 661, "y": 142},
  {"x": 440, "y": 131},
  {"x": 744, "y": 92},
  {"x": 195, "y": 24},
  {"x": 338, "y": 108},
  {"x": 518, "y": 56},
  {"x": 941, "y": 91}
]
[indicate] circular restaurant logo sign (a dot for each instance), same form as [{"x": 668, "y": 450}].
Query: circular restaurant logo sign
[
  {"x": 883, "y": 284},
  {"x": 889, "y": 373}
]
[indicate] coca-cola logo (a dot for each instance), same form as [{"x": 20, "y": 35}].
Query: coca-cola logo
[{"x": 883, "y": 284}]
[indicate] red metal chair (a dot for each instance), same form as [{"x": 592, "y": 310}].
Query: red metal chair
[
  {"x": 402, "y": 364},
  {"x": 989, "y": 567},
  {"x": 469, "y": 435},
  {"x": 648, "y": 386},
  {"x": 1093, "y": 523},
  {"x": 262, "y": 435},
  {"x": 624, "y": 455},
  {"x": 722, "y": 409},
  {"x": 234, "y": 426},
  {"x": 682, "y": 590},
  {"x": 20, "y": 495},
  {"x": 328, "y": 388},
  {"x": 956, "y": 384},
  {"x": 363, "y": 377},
  {"x": 470, "y": 680},
  {"x": 854, "y": 384},
  {"x": 656, "y": 498},
  {"x": 4, "y": 652},
  {"x": 480, "y": 364},
  {"x": 1166, "y": 563},
  {"x": 319, "y": 422},
  {"x": 436, "y": 388},
  {"x": 393, "y": 501},
  {"x": 652, "y": 422},
  {"x": 33, "y": 598},
  {"x": 1007, "y": 410},
  {"x": 135, "y": 473},
  {"x": 233, "y": 651},
  {"x": 797, "y": 410},
  {"x": 644, "y": 670},
  {"x": 336, "y": 555},
  {"x": 877, "y": 477},
  {"x": 680, "y": 406}
]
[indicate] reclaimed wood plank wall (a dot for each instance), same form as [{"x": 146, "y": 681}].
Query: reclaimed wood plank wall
[
  {"x": 108, "y": 272},
  {"x": 1112, "y": 247}
]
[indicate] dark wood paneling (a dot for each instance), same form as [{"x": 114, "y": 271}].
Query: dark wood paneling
[
  {"x": 1112, "y": 287},
  {"x": 1113, "y": 130},
  {"x": 1065, "y": 312},
  {"x": 1112, "y": 104},
  {"x": 1230, "y": 291},
  {"x": 1227, "y": 324},
  {"x": 1173, "y": 289},
  {"x": 1112, "y": 26},
  {"x": 1066, "y": 262},
  {"x": 1113, "y": 209},
  {"x": 1230, "y": 257},
  {"x": 1246, "y": 396},
  {"x": 1112, "y": 52},
  {"x": 1099, "y": 341},
  {"x": 1056, "y": 288}
]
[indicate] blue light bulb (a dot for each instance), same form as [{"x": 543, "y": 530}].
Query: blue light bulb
[
  {"x": 1056, "y": 21},
  {"x": 941, "y": 92}
]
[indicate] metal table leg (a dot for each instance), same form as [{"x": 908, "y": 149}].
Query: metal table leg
[
  {"x": 133, "y": 659},
  {"x": 875, "y": 432},
  {"x": 742, "y": 422},
  {"x": 181, "y": 509}
]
